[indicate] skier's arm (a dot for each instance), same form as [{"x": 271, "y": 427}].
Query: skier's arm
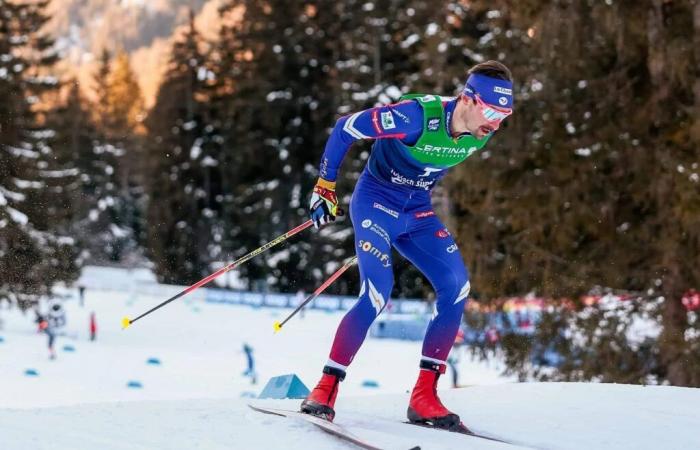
[{"x": 403, "y": 121}]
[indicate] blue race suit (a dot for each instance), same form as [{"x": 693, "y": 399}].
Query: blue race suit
[{"x": 391, "y": 207}]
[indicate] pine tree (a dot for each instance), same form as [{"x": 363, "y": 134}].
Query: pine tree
[
  {"x": 36, "y": 250},
  {"x": 274, "y": 108},
  {"x": 124, "y": 101},
  {"x": 118, "y": 219},
  {"x": 96, "y": 201},
  {"x": 183, "y": 178}
]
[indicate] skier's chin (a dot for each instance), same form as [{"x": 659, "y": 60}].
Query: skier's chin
[{"x": 482, "y": 131}]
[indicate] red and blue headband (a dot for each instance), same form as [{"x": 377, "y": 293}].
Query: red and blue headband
[{"x": 493, "y": 91}]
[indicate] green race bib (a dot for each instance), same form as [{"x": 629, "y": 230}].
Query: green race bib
[{"x": 435, "y": 146}]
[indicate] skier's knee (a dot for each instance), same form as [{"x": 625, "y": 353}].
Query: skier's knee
[
  {"x": 377, "y": 293},
  {"x": 455, "y": 291}
]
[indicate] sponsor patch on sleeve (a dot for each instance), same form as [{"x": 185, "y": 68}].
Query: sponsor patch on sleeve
[{"x": 388, "y": 120}]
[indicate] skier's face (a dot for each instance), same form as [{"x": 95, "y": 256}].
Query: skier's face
[{"x": 481, "y": 118}]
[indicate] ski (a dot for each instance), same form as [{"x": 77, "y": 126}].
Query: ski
[
  {"x": 329, "y": 427},
  {"x": 461, "y": 430}
]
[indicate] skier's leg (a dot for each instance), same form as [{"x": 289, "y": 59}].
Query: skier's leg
[
  {"x": 373, "y": 247},
  {"x": 430, "y": 247},
  {"x": 453, "y": 367},
  {"x": 434, "y": 252},
  {"x": 52, "y": 336},
  {"x": 376, "y": 282}
]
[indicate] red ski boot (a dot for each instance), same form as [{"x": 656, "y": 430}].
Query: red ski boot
[
  {"x": 320, "y": 401},
  {"x": 425, "y": 407}
]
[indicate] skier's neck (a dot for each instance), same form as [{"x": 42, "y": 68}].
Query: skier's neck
[{"x": 458, "y": 124}]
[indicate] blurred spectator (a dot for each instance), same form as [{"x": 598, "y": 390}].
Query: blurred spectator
[
  {"x": 81, "y": 295},
  {"x": 250, "y": 370},
  {"x": 93, "y": 326},
  {"x": 453, "y": 359},
  {"x": 39, "y": 320},
  {"x": 492, "y": 338}
]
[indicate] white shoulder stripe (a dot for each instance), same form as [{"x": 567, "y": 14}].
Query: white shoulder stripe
[{"x": 350, "y": 128}]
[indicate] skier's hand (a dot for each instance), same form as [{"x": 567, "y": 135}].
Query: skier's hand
[{"x": 323, "y": 207}]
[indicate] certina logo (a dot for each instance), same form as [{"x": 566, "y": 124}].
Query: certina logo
[
  {"x": 503, "y": 101},
  {"x": 391, "y": 212},
  {"x": 434, "y": 124},
  {"x": 388, "y": 120},
  {"x": 450, "y": 152},
  {"x": 502, "y": 90},
  {"x": 452, "y": 248},
  {"x": 397, "y": 178},
  {"x": 366, "y": 223},
  {"x": 367, "y": 246}
]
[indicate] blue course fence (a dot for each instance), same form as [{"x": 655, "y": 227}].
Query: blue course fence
[{"x": 323, "y": 302}]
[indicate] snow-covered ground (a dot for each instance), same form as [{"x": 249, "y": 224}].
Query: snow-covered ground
[{"x": 197, "y": 397}]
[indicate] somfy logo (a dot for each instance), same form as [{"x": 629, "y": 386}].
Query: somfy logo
[
  {"x": 366, "y": 223},
  {"x": 368, "y": 247}
]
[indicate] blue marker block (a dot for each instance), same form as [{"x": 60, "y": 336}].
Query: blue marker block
[
  {"x": 370, "y": 384},
  {"x": 248, "y": 394},
  {"x": 285, "y": 386},
  {"x": 68, "y": 348},
  {"x": 133, "y": 384},
  {"x": 153, "y": 361},
  {"x": 31, "y": 373}
]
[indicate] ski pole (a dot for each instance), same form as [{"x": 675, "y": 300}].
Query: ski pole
[
  {"x": 278, "y": 325},
  {"x": 126, "y": 321}
]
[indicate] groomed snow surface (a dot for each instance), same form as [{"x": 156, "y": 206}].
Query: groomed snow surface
[{"x": 196, "y": 398}]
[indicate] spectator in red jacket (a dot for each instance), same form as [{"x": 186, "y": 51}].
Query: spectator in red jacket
[{"x": 93, "y": 326}]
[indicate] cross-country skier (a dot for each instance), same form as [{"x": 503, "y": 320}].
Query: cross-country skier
[
  {"x": 51, "y": 324},
  {"x": 416, "y": 141}
]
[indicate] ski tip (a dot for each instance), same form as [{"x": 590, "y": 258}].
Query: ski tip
[
  {"x": 277, "y": 326},
  {"x": 125, "y": 323}
]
